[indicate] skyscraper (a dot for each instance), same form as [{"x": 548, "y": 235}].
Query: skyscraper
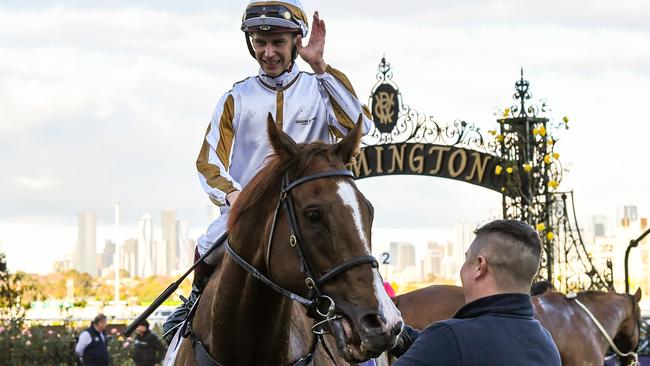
[
  {"x": 160, "y": 258},
  {"x": 168, "y": 225},
  {"x": 402, "y": 255},
  {"x": 86, "y": 250},
  {"x": 463, "y": 237},
  {"x": 185, "y": 245},
  {"x": 432, "y": 262},
  {"x": 600, "y": 225},
  {"x": 129, "y": 257},
  {"x": 146, "y": 253},
  {"x": 108, "y": 254}
]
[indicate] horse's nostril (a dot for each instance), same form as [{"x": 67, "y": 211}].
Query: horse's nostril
[{"x": 373, "y": 321}]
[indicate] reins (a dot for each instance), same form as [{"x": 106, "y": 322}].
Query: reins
[{"x": 602, "y": 330}]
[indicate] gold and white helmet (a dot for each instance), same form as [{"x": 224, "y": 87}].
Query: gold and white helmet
[{"x": 274, "y": 17}]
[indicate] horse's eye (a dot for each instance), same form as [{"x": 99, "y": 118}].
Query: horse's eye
[{"x": 314, "y": 216}]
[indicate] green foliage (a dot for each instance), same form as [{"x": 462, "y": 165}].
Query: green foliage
[
  {"x": 14, "y": 294},
  {"x": 37, "y": 346}
]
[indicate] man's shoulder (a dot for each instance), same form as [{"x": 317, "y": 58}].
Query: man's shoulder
[{"x": 246, "y": 82}]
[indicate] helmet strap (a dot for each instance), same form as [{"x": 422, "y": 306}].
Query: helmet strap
[{"x": 248, "y": 37}]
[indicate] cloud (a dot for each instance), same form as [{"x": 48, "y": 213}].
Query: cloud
[
  {"x": 111, "y": 98},
  {"x": 36, "y": 184}
]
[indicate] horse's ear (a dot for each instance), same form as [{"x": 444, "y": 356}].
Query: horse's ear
[
  {"x": 349, "y": 146},
  {"x": 282, "y": 144},
  {"x": 637, "y": 295}
]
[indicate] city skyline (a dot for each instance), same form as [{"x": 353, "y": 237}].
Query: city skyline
[{"x": 149, "y": 235}]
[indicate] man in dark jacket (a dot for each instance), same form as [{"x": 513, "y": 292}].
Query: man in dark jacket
[
  {"x": 496, "y": 326},
  {"x": 91, "y": 346},
  {"x": 147, "y": 349}
]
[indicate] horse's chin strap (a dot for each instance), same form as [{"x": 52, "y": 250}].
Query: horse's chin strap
[{"x": 602, "y": 330}]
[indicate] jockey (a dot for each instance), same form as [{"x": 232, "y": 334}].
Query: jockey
[{"x": 318, "y": 106}]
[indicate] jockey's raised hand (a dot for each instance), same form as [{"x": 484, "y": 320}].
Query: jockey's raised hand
[{"x": 312, "y": 53}]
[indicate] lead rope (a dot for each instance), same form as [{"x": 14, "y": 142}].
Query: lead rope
[{"x": 602, "y": 330}]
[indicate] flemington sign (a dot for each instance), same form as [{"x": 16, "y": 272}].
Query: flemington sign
[
  {"x": 406, "y": 142},
  {"x": 430, "y": 160}
]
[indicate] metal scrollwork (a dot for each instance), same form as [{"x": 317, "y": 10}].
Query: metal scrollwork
[
  {"x": 523, "y": 145},
  {"x": 413, "y": 126},
  {"x": 527, "y": 146}
]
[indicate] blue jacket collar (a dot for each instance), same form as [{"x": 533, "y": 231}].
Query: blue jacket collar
[{"x": 512, "y": 305}]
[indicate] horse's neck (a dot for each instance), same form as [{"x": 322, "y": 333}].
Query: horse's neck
[
  {"x": 610, "y": 314},
  {"x": 246, "y": 322}
]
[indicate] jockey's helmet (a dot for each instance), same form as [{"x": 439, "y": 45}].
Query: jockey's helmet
[{"x": 274, "y": 17}]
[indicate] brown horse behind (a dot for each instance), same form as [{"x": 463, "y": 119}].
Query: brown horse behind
[
  {"x": 242, "y": 321},
  {"x": 579, "y": 341}
]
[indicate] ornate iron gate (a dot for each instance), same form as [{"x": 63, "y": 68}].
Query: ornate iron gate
[{"x": 517, "y": 159}]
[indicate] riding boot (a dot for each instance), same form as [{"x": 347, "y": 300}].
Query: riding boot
[
  {"x": 202, "y": 274},
  {"x": 179, "y": 314}
]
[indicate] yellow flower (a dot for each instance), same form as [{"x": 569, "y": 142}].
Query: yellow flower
[
  {"x": 506, "y": 112},
  {"x": 528, "y": 167},
  {"x": 553, "y": 184},
  {"x": 509, "y": 170},
  {"x": 535, "y": 131},
  {"x": 547, "y": 159},
  {"x": 550, "y": 235},
  {"x": 498, "y": 169},
  {"x": 556, "y": 155},
  {"x": 565, "y": 119},
  {"x": 542, "y": 131},
  {"x": 551, "y": 142},
  {"x": 541, "y": 226},
  {"x": 503, "y": 189},
  {"x": 500, "y": 138},
  {"x": 492, "y": 132}
]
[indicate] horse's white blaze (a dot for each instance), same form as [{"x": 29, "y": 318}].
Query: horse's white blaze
[
  {"x": 349, "y": 197},
  {"x": 386, "y": 306}
]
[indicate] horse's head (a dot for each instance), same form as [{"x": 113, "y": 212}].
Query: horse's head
[
  {"x": 627, "y": 337},
  {"x": 331, "y": 227}
]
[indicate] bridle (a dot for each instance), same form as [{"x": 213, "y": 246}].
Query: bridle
[{"x": 316, "y": 300}]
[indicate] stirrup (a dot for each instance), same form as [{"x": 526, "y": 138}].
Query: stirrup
[{"x": 184, "y": 300}]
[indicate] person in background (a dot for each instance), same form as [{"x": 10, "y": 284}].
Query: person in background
[
  {"x": 91, "y": 346},
  {"x": 148, "y": 350}
]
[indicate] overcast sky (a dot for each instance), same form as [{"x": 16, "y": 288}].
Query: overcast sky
[{"x": 111, "y": 98}]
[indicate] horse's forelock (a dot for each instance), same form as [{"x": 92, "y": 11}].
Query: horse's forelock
[{"x": 270, "y": 176}]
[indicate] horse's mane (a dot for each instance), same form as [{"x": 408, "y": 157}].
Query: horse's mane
[
  {"x": 268, "y": 179},
  {"x": 541, "y": 287}
]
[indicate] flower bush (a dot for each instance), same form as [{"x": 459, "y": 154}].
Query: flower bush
[{"x": 42, "y": 345}]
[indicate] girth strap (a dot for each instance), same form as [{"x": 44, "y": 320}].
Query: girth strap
[{"x": 202, "y": 356}]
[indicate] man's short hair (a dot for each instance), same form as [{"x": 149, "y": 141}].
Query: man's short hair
[
  {"x": 99, "y": 318},
  {"x": 512, "y": 249}
]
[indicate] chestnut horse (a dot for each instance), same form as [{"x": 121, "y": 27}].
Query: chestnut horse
[
  {"x": 574, "y": 332},
  {"x": 299, "y": 243}
]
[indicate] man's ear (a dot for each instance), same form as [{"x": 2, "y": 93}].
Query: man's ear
[{"x": 480, "y": 266}]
